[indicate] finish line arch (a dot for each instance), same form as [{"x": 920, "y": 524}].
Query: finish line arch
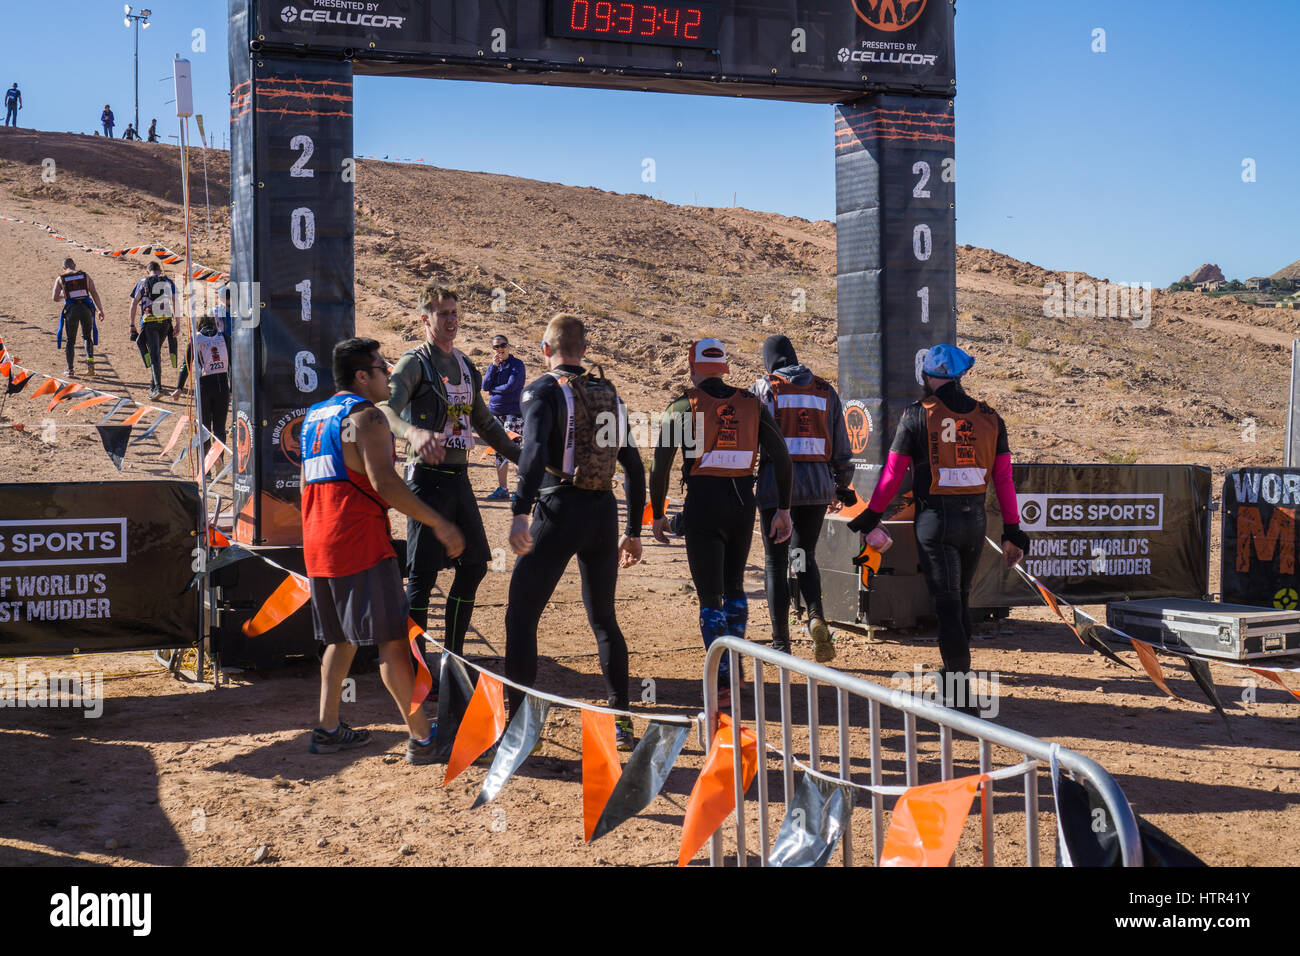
[{"x": 886, "y": 66}]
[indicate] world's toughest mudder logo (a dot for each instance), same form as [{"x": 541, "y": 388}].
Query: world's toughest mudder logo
[
  {"x": 858, "y": 424},
  {"x": 889, "y": 15}
]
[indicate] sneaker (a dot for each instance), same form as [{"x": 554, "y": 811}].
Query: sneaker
[
  {"x": 90, "y": 368},
  {"x": 418, "y": 753},
  {"x": 69, "y": 373},
  {"x": 499, "y": 495},
  {"x": 623, "y": 733},
  {"x": 823, "y": 649},
  {"x": 782, "y": 645},
  {"x": 154, "y": 393},
  {"x": 345, "y": 738}
]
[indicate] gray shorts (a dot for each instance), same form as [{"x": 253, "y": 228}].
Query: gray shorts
[{"x": 364, "y": 609}]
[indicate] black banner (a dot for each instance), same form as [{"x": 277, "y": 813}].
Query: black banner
[
  {"x": 1100, "y": 533},
  {"x": 1259, "y": 537},
  {"x": 824, "y": 51},
  {"x": 97, "y": 567},
  {"x": 896, "y": 265},
  {"x": 291, "y": 267}
]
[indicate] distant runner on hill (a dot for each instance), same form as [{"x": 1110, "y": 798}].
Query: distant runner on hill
[
  {"x": 130, "y": 133},
  {"x": 76, "y": 291},
  {"x": 13, "y": 103},
  {"x": 106, "y": 118},
  {"x": 152, "y": 132},
  {"x": 154, "y": 298}
]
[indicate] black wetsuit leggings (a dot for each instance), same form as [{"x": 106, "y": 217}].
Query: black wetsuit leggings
[
  {"x": 568, "y": 522},
  {"x": 78, "y": 319},
  {"x": 807, "y": 521},
  {"x": 718, "y": 525},
  {"x": 949, "y": 539}
]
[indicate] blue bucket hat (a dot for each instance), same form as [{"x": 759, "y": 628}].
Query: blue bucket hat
[{"x": 947, "y": 361}]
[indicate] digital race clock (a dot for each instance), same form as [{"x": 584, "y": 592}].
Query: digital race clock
[{"x": 667, "y": 24}]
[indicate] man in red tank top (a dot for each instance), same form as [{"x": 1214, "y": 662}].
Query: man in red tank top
[{"x": 357, "y": 597}]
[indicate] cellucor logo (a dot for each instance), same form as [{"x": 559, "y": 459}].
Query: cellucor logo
[
  {"x": 1086, "y": 512},
  {"x": 887, "y": 56},
  {"x": 76, "y": 909},
  {"x": 342, "y": 17},
  {"x": 889, "y": 15}
]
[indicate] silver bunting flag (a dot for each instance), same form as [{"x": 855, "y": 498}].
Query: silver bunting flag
[
  {"x": 454, "y": 692},
  {"x": 813, "y": 824},
  {"x": 151, "y": 429},
  {"x": 117, "y": 407},
  {"x": 516, "y": 746},
  {"x": 644, "y": 776}
]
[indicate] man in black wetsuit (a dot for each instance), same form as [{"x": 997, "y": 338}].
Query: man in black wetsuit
[
  {"x": 575, "y": 431},
  {"x": 437, "y": 407},
  {"x": 721, "y": 430},
  {"x": 956, "y": 447}
]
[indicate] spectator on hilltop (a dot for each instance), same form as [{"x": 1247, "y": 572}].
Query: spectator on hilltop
[
  {"x": 153, "y": 132},
  {"x": 13, "y": 103},
  {"x": 106, "y": 118}
]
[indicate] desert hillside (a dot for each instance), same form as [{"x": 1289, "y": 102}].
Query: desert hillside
[{"x": 651, "y": 276}]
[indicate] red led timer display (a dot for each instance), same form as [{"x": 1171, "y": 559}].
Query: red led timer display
[{"x": 669, "y": 24}]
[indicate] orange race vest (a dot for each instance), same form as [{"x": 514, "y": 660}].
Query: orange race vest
[
  {"x": 801, "y": 416},
  {"x": 727, "y": 433},
  {"x": 962, "y": 447}
]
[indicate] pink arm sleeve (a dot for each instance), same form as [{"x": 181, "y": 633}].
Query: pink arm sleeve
[
  {"x": 1006, "y": 490},
  {"x": 895, "y": 469}
]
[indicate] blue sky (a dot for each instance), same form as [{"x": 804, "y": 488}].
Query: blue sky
[{"x": 1126, "y": 164}]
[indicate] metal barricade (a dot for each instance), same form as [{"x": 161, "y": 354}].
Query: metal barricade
[{"x": 987, "y": 734}]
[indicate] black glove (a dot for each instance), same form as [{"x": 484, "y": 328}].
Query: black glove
[
  {"x": 134, "y": 335},
  {"x": 1012, "y": 533},
  {"x": 866, "y": 521},
  {"x": 846, "y": 496}
]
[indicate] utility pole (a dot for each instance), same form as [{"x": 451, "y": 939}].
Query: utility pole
[{"x": 140, "y": 18}]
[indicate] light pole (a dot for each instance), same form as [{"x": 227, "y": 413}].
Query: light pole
[{"x": 140, "y": 19}]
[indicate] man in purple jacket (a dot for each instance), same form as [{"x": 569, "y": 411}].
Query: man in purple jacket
[{"x": 504, "y": 382}]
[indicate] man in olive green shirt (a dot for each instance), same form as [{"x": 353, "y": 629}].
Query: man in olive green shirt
[{"x": 437, "y": 406}]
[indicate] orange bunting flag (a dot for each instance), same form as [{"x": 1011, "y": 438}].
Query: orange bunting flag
[
  {"x": 6, "y": 368},
  {"x": 423, "y": 679},
  {"x": 97, "y": 400},
  {"x": 480, "y": 728},
  {"x": 1050, "y": 598},
  {"x": 214, "y": 454},
  {"x": 600, "y": 767},
  {"x": 714, "y": 795},
  {"x": 292, "y": 594},
  {"x": 61, "y": 394},
  {"x": 134, "y": 418},
  {"x": 47, "y": 387},
  {"x": 1151, "y": 665},
  {"x": 216, "y": 539},
  {"x": 927, "y": 822},
  {"x": 1277, "y": 680},
  {"x": 176, "y": 433}
]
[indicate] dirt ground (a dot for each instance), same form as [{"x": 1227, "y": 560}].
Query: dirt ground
[
  {"x": 177, "y": 774},
  {"x": 174, "y": 773}
]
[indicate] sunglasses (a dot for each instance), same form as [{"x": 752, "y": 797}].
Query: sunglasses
[
  {"x": 379, "y": 368},
  {"x": 498, "y": 348}
]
